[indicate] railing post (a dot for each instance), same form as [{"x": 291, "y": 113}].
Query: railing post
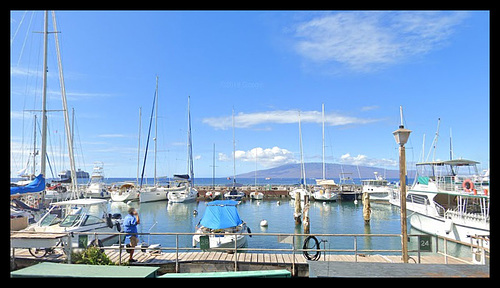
[
  {"x": 293, "y": 255},
  {"x": 69, "y": 248},
  {"x": 120, "y": 250},
  {"x": 355, "y": 249},
  {"x": 235, "y": 253},
  {"x": 445, "y": 250},
  {"x": 176, "y": 253}
]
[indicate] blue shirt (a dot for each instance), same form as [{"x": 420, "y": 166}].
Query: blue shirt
[{"x": 130, "y": 225}]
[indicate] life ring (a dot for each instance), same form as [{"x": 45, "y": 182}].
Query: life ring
[{"x": 468, "y": 185}]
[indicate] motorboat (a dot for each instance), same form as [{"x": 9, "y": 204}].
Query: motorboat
[
  {"x": 379, "y": 189},
  {"x": 221, "y": 217},
  {"x": 449, "y": 199},
  {"x": 213, "y": 195},
  {"x": 234, "y": 194},
  {"x": 325, "y": 190},
  {"x": 80, "y": 215},
  {"x": 256, "y": 195},
  {"x": 125, "y": 192},
  {"x": 97, "y": 187}
]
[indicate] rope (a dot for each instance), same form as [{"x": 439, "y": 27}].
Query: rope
[{"x": 306, "y": 246}]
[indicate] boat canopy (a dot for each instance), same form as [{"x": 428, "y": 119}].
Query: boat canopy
[
  {"x": 181, "y": 176},
  {"x": 221, "y": 214},
  {"x": 37, "y": 185}
]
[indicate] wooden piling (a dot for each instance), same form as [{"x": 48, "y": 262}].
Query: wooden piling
[
  {"x": 366, "y": 207},
  {"x": 298, "y": 210},
  {"x": 306, "y": 215}
]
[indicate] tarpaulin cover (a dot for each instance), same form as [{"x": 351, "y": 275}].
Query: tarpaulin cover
[
  {"x": 221, "y": 214},
  {"x": 37, "y": 185}
]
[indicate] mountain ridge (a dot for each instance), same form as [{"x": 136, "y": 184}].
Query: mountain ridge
[{"x": 315, "y": 170}]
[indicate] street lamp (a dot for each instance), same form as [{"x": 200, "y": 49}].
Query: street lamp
[{"x": 401, "y": 136}]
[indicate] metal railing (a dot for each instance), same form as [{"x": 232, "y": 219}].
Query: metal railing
[{"x": 294, "y": 239}]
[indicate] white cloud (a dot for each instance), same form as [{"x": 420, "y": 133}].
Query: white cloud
[
  {"x": 364, "y": 160},
  {"x": 268, "y": 157},
  {"x": 365, "y": 41},
  {"x": 246, "y": 120}
]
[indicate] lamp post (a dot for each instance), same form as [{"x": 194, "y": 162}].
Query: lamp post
[{"x": 401, "y": 135}]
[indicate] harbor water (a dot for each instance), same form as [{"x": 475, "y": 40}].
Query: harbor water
[
  {"x": 340, "y": 217},
  {"x": 344, "y": 217}
]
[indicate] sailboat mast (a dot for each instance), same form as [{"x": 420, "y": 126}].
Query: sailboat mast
[
  {"x": 139, "y": 145},
  {"x": 67, "y": 127},
  {"x": 34, "y": 146},
  {"x": 302, "y": 167},
  {"x": 323, "y": 138},
  {"x": 190, "y": 146},
  {"x": 44, "y": 95},
  {"x": 213, "y": 170},
  {"x": 156, "y": 129},
  {"x": 234, "y": 155}
]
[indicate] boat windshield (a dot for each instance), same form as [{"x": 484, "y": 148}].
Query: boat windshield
[
  {"x": 70, "y": 220},
  {"x": 50, "y": 219}
]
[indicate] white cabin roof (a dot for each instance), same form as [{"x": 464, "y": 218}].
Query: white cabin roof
[{"x": 81, "y": 202}]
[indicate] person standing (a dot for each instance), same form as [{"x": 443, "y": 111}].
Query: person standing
[{"x": 130, "y": 227}]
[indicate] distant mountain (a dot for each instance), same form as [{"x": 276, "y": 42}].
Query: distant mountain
[{"x": 314, "y": 170}]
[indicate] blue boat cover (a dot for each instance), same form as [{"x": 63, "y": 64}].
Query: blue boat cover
[
  {"x": 221, "y": 214},
  {"x": 37, "y": 185}
]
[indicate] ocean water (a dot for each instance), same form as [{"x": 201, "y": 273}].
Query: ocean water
[{"x": 328, "y": 218}]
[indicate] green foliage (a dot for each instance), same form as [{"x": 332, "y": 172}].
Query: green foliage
[{"x": 92, "y": 255}]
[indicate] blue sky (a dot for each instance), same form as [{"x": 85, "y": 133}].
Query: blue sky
[{"x": 268, "y": 65}]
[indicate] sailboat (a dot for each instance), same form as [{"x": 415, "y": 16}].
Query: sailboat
[
  {"x": 302, "y": 189},
  {"x": 213, "y": 194},
  {"x": 325, "y": 189},
  {"x": 33, "y": 193},
  {"x": 184, "y": 191},
  {"x": 234, "y": 194},
  {"x": 155, "y": 192},
  {"x": 256, "y": 195},
  {"x": 74, "y": 215}
]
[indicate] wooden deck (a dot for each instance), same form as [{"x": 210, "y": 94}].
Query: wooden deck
[
  {"x": 266, "y": 258},
  {"x": 258, "y": 258}
]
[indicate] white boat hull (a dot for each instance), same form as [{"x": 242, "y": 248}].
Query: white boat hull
[
  {"x": 302, "y": 192},
  {"x": 131, "y": 195},
  {"x": 257, "y": 195},
  {"x": 182, "y": 195},
  {"x": 153, "y": 194},
  {"x": 325, "y": 196},
  {"x": 448, "y": 228},
  {"x": 223, "y": 241}
]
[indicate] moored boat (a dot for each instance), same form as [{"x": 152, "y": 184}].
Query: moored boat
[
  {"x": 449, "y": 199},
  {"x": 378, "y": 188},
  {"x": 325, "y": 191},
  {"x": 125, "y": 192},
  {"x": 221, "y": 217}
]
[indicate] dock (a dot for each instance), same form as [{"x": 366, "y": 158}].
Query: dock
[{"x": 212, "y": 261}]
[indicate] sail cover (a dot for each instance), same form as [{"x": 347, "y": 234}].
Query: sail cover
[
  {"x": 221, "y": 214},
  {"x": 37, "y": 185}
]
